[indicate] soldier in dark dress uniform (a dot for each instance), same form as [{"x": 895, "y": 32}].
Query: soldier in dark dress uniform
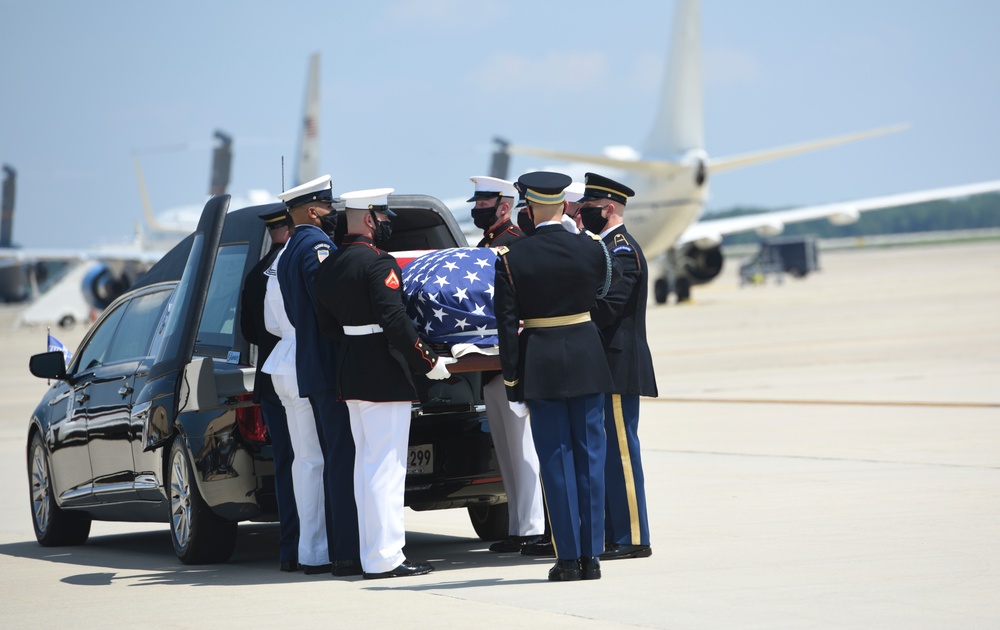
[
  {"x": 494, "y": 200},
  {"x": 279, "y": 226},
  {"x": 558, "y": 367},
  {"x": 621, "y": 316},
  {"x": 360, "y": 295},
  {"x": 310, "y": 206}
]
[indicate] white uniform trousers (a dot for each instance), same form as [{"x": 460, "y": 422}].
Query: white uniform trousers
[
  {"x": 381, "y": 433},
  {"x": 307, "y": 471},
  {"x": 518, "y": 462}
]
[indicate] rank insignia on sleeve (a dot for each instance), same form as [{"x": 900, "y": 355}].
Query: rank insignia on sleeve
[{"x": 392, "y": 280}]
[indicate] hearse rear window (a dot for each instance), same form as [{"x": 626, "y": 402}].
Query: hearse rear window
[{"x": 218, "y": 320}]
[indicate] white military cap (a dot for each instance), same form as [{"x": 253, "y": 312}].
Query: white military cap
[
  {"x": 319, "y": 189},
  {"x": 574, "y": 191},
  {"x": 376, "y": 199},
  {"x": 490, "y": 187}
]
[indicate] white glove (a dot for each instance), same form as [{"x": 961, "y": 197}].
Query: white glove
[
  {"x": 519, "y": 408},
  {"x": 440, "y": 370},
  {"x": 569, "y": 224}
]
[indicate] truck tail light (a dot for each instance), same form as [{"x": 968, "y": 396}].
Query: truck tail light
[{"x": 250, "y": 420}]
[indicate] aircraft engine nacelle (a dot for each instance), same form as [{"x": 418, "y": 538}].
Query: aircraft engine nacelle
[
  {"x": 844, "y": 216},
  {"x": 770, "y": 229},
  {"x": 699, "y": 264},
  {"x": 101, "y": 285}
]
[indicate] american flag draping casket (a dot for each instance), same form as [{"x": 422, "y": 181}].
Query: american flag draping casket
[{"x": 449, "y": 298}]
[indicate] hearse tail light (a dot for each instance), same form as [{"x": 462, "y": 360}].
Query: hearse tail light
[{"x": 250, "y": 420}]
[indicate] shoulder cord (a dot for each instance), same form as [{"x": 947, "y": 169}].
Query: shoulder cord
[{"x": 607, "y": 270}]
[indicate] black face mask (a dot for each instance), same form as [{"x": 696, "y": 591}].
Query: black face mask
[
  {"x": 328, "y": 223},
  {"x": 484, "y": 218},
  {"x": 383, "y": 229},
  {"x": 592, "y": 219},
  {"x": 525, "y": 222}
]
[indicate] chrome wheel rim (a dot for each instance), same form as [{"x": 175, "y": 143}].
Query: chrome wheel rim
[
  {"x": 40, "y": 489},
  {"x": 180, "y": 500}
]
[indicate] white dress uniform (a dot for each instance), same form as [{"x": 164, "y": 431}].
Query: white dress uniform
[
  {"x": 307, "y": 466},
  {"x": 381, "y": 433},
  {"x": 518, "y": 461}
]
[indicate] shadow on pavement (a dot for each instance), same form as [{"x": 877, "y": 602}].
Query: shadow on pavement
[{"x": 147, "y": 558}]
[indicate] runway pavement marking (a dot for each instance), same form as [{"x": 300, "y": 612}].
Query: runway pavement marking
[
  {"x": 828, "y": 458},
  {"x": 863, "y": 403}
]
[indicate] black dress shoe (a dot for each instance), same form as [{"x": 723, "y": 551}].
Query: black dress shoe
[
  {"x": 289, "y": 566},
  {"x": 316, "y": 569},
  {"x": 343, "y": 568},
  {"x": 515, "y": 544},
  {"x": 619, "y": 552},
  {"x": 590, "y": 568},
  {"x": 565, "y": 571},
  {"x": 541, "y": 548},
  {"x": 403, "y": 570}
]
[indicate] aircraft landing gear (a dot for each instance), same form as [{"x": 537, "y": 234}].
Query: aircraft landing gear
[
  {"x": 682, "y": 287},
  {"x": 661, "y": 290}
]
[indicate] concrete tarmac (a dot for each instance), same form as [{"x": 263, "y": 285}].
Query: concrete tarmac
[{"x": 823, "y": 454}]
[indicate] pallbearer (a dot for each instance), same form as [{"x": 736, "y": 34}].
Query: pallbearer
[
  {"x": 621, "y": 316},
  {"x": 360, "y": 297},
  {"x": 558, "y": 367},
  {"x": 494, "y": 202}
]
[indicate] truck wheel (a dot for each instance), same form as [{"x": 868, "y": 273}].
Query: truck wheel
[
  {"x": 489, "y": 521},
  {"x": 796, "y": 272},
  {"x": 54, "y": 527},
  {"x": 198, "y": 535}
]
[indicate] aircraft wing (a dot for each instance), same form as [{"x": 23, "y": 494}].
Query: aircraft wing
[
  {"x": 710, "y": 232},
  {"x": 649, "y": 167},
  {"x": 719, "y": 165},
  {"x": 124, "y": 253}
]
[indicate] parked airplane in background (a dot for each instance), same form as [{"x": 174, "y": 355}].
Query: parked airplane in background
[
  {"x": 14, "y": 274},
  {"x": 111, "y": 270},
  {"x": 671, "y": 177}
]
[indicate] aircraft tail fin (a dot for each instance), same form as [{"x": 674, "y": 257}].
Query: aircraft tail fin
[
  {"x": 307, "y": 167},
  {"x": 222, "y": 162},
  {"x": 717, "y": 165},
  {"x": 147, "y": 207},
  {"x": 7, "y": 207},
  {"x": 679, "y": 124}
]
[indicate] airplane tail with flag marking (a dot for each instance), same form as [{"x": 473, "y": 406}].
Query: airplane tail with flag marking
[{"x": 307, "y": 168}]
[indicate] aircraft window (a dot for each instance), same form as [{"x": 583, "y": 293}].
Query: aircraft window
[
  {"x": 219, "y": 317},
  {"x": 93, "y": 354},
  {"x": 136, "y": 333}
]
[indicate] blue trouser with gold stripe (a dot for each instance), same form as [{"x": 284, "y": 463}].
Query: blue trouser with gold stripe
[
  {"x": 625, "y": 486},
  {"x": 570, "y": 442}
]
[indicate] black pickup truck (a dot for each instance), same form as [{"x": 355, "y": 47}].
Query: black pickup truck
[{"x": 153, "y": 419}]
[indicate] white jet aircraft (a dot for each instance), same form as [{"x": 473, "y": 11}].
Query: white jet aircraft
[{"x": 671, "y": 177}]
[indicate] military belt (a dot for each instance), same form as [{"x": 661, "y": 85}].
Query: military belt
[
  {"x": 553, "y": 322},
  {"x": 360, "y": 331}
]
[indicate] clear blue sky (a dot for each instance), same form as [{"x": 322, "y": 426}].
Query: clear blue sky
[{"x": 413, "y": 90}]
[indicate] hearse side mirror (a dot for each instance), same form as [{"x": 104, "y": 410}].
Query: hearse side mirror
[{"x": 48, "y": 365}]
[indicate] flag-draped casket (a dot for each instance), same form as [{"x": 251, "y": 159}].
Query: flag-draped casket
[{"x": 449, "y": 298}]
